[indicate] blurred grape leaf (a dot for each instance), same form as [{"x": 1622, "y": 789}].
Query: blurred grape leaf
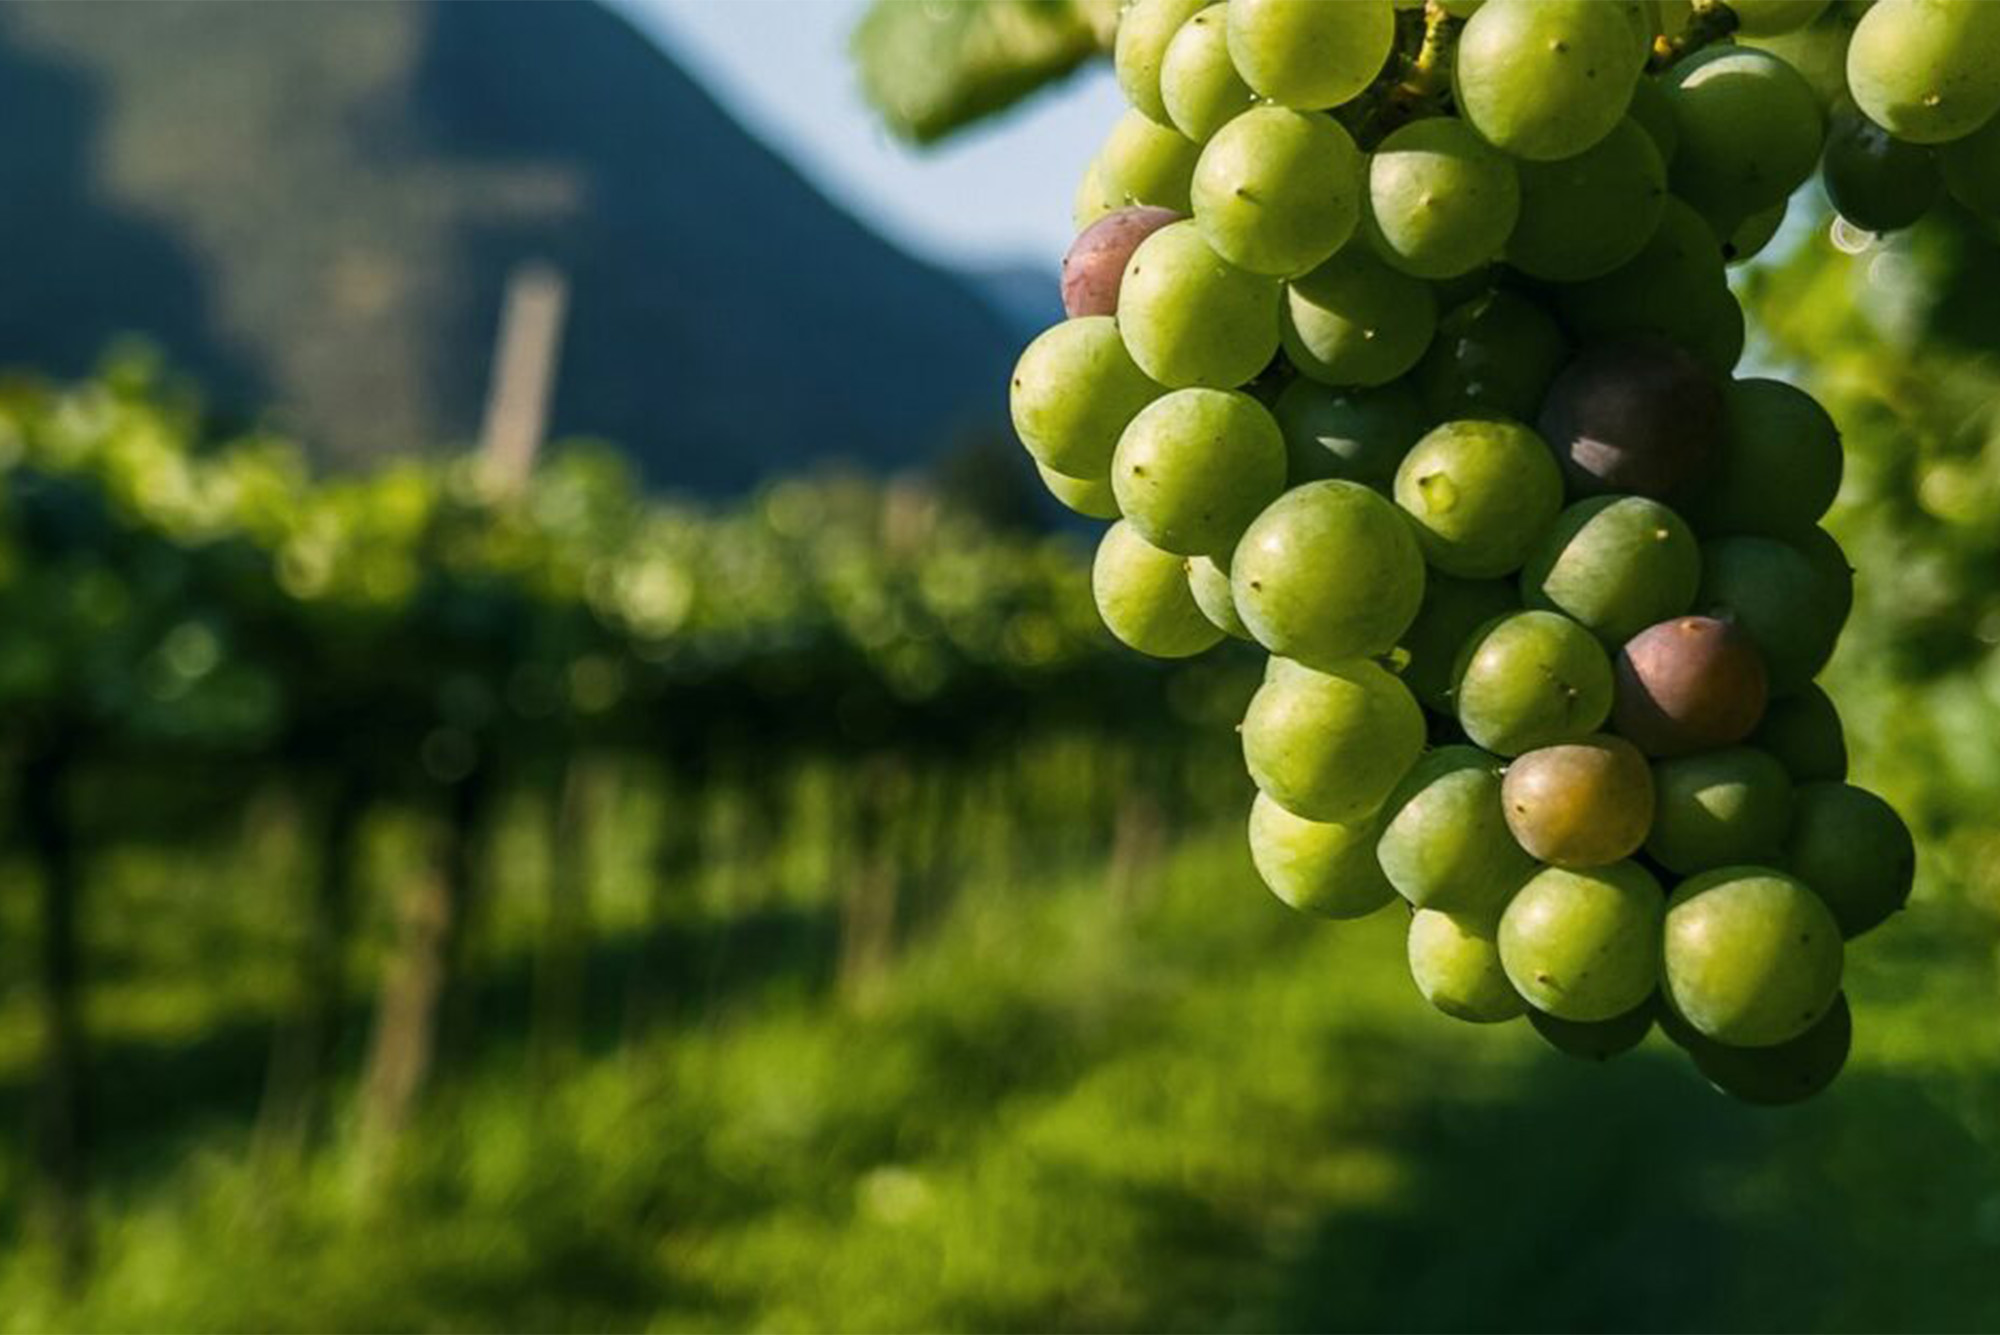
[{"x": 930, "y": 67}]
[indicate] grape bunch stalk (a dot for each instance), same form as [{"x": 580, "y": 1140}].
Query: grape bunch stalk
[{"x": 1400, "y": 345}]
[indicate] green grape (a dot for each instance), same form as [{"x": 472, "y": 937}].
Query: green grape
[
  {"x": 1094, "y": 198},
  {"x": 1719, "y": 809},
  {"x": 1689, "y": 684},
  {"x": 1331, "y": 746},
  {"x": 1545, "y": 79},
  {"x": 1750, "y": 237},
  {"x": 1441, "y": 202},
  {"x": 1803, "y": 731},
  {"x": 1750, "y": 130},
  {"x": 1595, "y": 1040},
  {"x": 1278, "y": 191},
  {"x": 1074, "y": 390},
  {"x": 1095, "y": 265},
  {"x": 1876, "y": 181},
  {"x": 1584, "y": 945},
  {"x": 1482, "y": 494},
  {"x": 1089, "y": 497},
  {"x": 1444, "y": 842},
  {"x": 1854, "y": 851},
  {"x": 1330, "y": 571},
  {"x": 1766, "y": 18},
  {"x": 1208, "y": 580},
  {"x": 1784, "y": 1073},
  {"x": 1791, "y": 609},
  {"x": 1655, "y": 115},
  {"x": 1927, "y": 71},
  {"x": 1198, "y": 82},
  {"x": 1585, "y": 216},
  {"x": 1817, "y": 51},
  {"x": 1195, "y": 467},
  {"x": 1308, "y": 54},
  {"x": 1455, "y": 961},
  {"x": 1191, "y": 318},
  {"x": 1719, "y": 345},
  {"x": 1823, "y": 553},
  {"x": 1529, "y": 680},
  {"x": 1357, "y": 434},
  {"x": 1142, "y": 594},
  {"x": 1145, "y": 163},
  {"x": 1315, "y": 866},
  {"x": 1780, "y": 468},
  {"x": 1971, "y": 169},
  {"x": 1670, "y": 289},
  {"x": 1580, "y": 804},
  {"x": 1356, "y": 321},
  {"x": 1752, "y": 957},
  {"x": 1145, "y": 31},
  {"x": 1617, "y": 564},
  {"x": 1496, "y": 353},
  {"x": 1452, "y": 610}
]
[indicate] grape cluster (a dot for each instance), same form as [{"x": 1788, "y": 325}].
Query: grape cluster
[{"x": 1400, "y": 345}]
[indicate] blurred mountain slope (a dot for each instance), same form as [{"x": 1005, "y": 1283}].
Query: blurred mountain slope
[{"x": 314, "y": 208}]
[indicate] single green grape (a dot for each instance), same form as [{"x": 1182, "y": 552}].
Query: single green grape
[
  {"x": 1455, "y": 962},
  {"x": 1444, "y": 841},
  {"x": 1749, "y": 130},
  {"x": 1529, "y": 680},
  {"x": 1316, "y": 866},
  {"x": 1331, "y": 746},
  {"x": 1719, "y": 809},
  {"x": 1356, "y": 434},
  {"x": 1196, "y": 466},
  {"x": 1747, "y": 242},
  {"x": 1482, "y": 492},
  {"x": 1595, "y": 1040},
  {"x": 1278, "y": 191},
  {"x": 1191, "y": 318},
  {"x": 1208, "y": 581},
  {"x": 1876, "y": 181},
  {"x": 1356, "y": 321},
  {"x": 1784, "y": 1073},
  {"x": 1927, "y": 71},
  {"x": 1671, "y": 288},
  {"x": 1074, "y": 391},
  {"x": 1142, "y": 594},
  {"x": 1803, "y": 731},
  {"x": 1971, "y": 169},
  {"x": 1146, "y": 163},
  {"x": 1198, "y": 82},
  {"x": 1093, "y": 200},
  {"x": 1308, "y": 54},
  {"x": 1090, "y": 497},
  {"x": 1854, "y": 851},
  {"x": 1617, "y": 564},
  {"x": 1441, "y": 201},
  {"x": 1791, "y": 608},
  {"x": 1546, "y": 79},
  {"x": 1328, "y": 572},
  {"x": 1584, "y": 945},
  {"x": 1146, "y": 30},
  {"x": 1752, "y": 957},
  {"x": 1451, "y": 611},
  {"x": 1655, "y": 115},
  {"x": 1584, "y": 216},
  {"x": 1780, "y": 466},
  {"x": 1495, "y": 354}
]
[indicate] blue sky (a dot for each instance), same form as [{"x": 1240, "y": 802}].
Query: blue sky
[{"x": 998, "y": 195}]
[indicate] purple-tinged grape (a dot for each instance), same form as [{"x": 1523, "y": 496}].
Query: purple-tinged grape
[
  {"x": 1689, "y": 684},
  {"x": 1330, "y": 571},
  {"x": 1331, "y": 746},
  {"x": 1529, "y": 680},
  {"x": 1580, "y": 804},
  {"x": 1752, "y": 957},
  {"x": 1317, "y": 867},
  {"x": 1638, "y": 415},
  {"x": 1496, "y": 354},
  {"x": 1356, "y": 434},
  {"x": 1784, "y": 1073},
  {"x": 1455, "y": 961},
  {"x": 1444, "y": 842},
  {"x": 1595, "y": 1040},
  {"x": 1584, "y": 945},
  {"x": 1719, "y": 809},
  {"x": 1854, "y": 851},
  {"x": 1142, "y": 594},
  {"x": 1615, "y": 563},
  {"x": 1095, "y": 265},
  {"x": 1803, "y": 731}
]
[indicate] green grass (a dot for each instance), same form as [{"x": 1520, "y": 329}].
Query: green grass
[{"x": 1188, "y": 1110}]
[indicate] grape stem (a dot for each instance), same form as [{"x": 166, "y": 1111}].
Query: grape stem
[
  {"x": 1711, "y": 21},
  {"x": 1423, "y": 88}
]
